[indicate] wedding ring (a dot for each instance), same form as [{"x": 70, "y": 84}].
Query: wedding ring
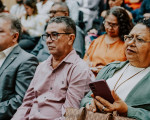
[{"x": 103, "y": 109}]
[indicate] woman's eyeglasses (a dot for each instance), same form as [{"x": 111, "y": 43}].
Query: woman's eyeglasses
[
  {"x": 113, "y": 25},
  {"x": 137, "y": 39}
]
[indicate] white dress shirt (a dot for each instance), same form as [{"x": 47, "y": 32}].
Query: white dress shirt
[
  {"x": 44, "y": 8},
  {"x": 34, "y": 24},
  {"x": 5, "y": 53},
  {"x": 73, "y": 9},
  {"x": 18, "y": 10}
]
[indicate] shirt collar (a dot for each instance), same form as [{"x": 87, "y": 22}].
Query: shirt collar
[
  {"x": 70, "y": 58},
  {"x": 8, "y": 50}
]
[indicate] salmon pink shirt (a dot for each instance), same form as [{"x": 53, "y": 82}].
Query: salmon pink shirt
[{"x": 53, "y": 90}]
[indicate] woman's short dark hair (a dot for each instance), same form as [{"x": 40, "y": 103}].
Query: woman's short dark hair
[
  {"x": 124, "y": 21},
  {"x": 70, "y": 24},
  {"x": 32, "y": 4},
  {"x": 146, "y": 22}
]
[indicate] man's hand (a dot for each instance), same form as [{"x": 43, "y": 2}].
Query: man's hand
[{"x": 96, "y": 69}]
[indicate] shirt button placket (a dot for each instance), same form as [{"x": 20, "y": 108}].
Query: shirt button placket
[{"x": 53, "y": 79}]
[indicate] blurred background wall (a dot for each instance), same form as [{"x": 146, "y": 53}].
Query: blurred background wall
[{"x": 9, "y": 3}]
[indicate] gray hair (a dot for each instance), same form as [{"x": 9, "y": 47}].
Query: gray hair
[
  {"x": 63, "y": 5},
  {"x": 15, "y": 23},
  {"x": 70, "y": 24}
]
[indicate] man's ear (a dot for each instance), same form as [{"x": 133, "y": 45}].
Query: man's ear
[
  {"x": 71, "y": 39},
  {"x": 15, "y": 37}
]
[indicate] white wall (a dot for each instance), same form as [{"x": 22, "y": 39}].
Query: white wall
[{"x": 8, "y": 3}]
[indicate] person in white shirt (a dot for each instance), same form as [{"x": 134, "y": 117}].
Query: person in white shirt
[
  {"x": 88, "y": 11},
  {"x": 18, "y": 9},
  {"x": 33, "y": 25},
  {"x": 44, "y": 6},
  {"x": 73, "y": 10}
]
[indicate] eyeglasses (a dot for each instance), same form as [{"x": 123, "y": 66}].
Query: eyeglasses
[
  {"x": 54, "y": 11},
  {"x": 113, "y": 0},
  {"x": 113, "y": 25},
  {"x": 129, "y": 38},
  {"x": 53, "y": 35}
]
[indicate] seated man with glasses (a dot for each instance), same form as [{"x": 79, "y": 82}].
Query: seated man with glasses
[
  {"x": 41, "y": 49},
  {"x": 59, "y": 82}
]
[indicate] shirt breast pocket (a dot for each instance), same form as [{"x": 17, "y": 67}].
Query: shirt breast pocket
[{"x": 60, "y": 87}]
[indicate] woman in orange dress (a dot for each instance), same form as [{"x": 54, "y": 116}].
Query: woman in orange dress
[{"x": 110, "y": 46}]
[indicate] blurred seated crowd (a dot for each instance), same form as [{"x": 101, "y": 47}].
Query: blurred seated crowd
[{"x": 50, "y": 50}]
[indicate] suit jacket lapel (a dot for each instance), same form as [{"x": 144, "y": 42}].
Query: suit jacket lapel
[{"x": 10, "y": 58}]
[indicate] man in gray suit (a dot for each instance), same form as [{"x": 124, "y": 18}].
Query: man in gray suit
[{"x": 17, "y": 67}]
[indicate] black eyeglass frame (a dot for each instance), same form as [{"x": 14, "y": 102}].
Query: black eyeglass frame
[
  {"x": 49, "y": 35},
  {"x": 54, "y": 12},
  {"x": 113, "y": 25}
]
